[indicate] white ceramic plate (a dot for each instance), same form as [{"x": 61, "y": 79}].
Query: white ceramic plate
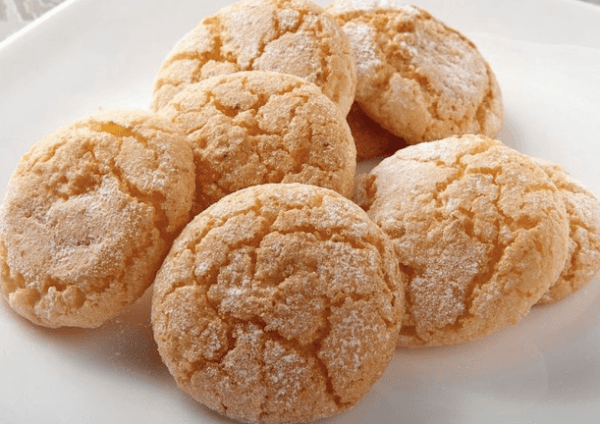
[{"x": 90, "y": 54}]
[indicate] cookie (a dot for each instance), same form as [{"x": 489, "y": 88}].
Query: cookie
[
  {"x": 417, "y": 77},
  {"x": 289, "y": 36},
  {"x": 370, "y": 139},
  {"x": 258, "y": 127},
  {"x": 480, "y": 230},
  {"x": 583, "y": 210},
  {"x": 280, "y": 303},
  {"x": 90, "y": 213}
]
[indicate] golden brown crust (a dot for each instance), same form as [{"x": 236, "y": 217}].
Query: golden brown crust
[
  {"x": 90, "y": 213},
  {"x": 479, "y": 228},
  {"x": 418, "y": 78},
  {"x": 279, "y": 303},
  {"x": 370, "y": 139},
  {"x": 257, "y": 127},
  {"x": 583, "y": 210},
  {"x": 288, "y": 36}
]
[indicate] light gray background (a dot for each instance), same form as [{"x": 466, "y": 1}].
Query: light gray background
[{"x": 15, "y": 14}]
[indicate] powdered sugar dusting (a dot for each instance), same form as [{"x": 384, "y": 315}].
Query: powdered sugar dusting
[
  {"x": 288, "y": 19},
  {"x": 362, "y": 39}
]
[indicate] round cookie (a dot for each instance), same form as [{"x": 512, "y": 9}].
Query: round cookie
[
  {"x": 583, "y": 210},
  {"x": 370, "y": 139},
  {"x": 258, "y": 127},
  {"x": 418, "y": 78},
  {"x": 288, "y": 36},
  {"x": 480, "y": 230},
  {"x": 281, "y": 303},
  {"x": 89, "y": 214}
]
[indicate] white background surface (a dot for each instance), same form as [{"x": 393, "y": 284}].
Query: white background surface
[{"x": 88, "y": 54}]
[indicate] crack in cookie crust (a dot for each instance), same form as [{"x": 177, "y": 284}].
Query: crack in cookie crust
[
  {"x": 293, "y": 37},
  {"x": 479, "y": 229},
  {"x": 88, "y": 217},
  {"x": 286, "y": 282}
]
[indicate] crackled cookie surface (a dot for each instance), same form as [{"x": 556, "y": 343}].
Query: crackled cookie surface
[
  {"x": 370, "y": 139},
  {"x": 257, "y": 127},
  {"x": 279, "y": 303},
  {"x": 417, "y": 77},
  {"x": 89, "y": 214},
  {"x": 583, "y": 210},
  {"x": 480, "y": 230},
  {"x": 288, "y": 36}
]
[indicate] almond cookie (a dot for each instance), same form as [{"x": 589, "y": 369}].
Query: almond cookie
[
  {"x": 583, "y": 209},
  {"x": 289, "y": 36},
  {"x": 89, "y": 214},
  {"x": 258, "y": 127},
  {"x": 281, "y": 303},
  {"x": 370, "y": 139},
  {"x": 417, "y": 77},
  {"x": 480, "y": 230}
]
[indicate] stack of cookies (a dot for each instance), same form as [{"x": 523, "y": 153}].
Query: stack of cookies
[{"x": 283, "y": 283}]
